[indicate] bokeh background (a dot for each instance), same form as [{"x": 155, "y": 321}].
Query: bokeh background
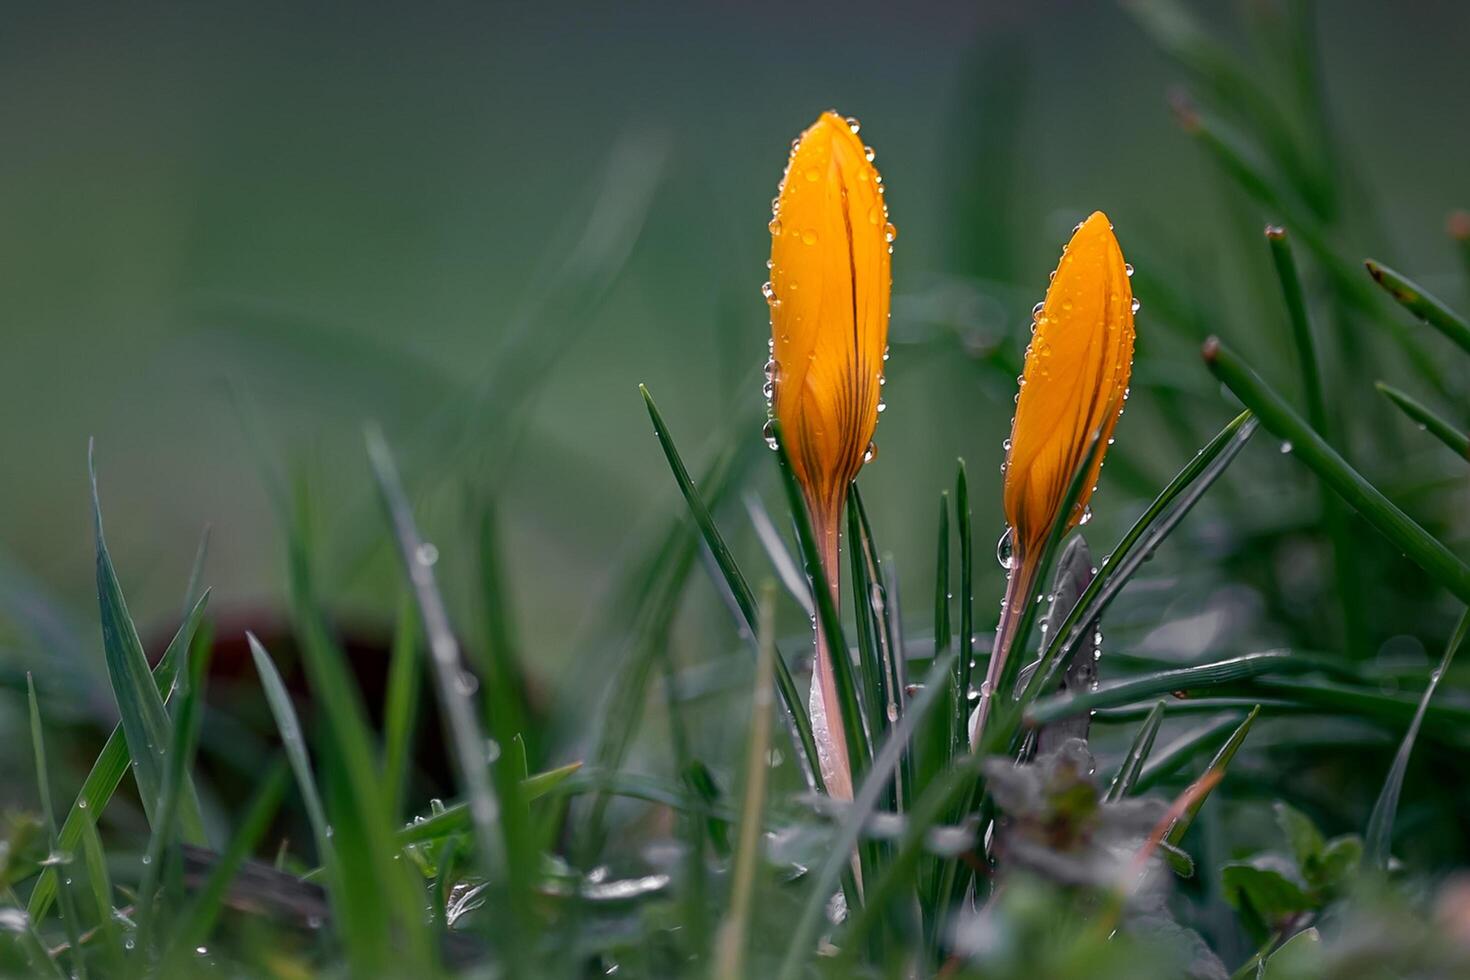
[{"x": 230, "y": 234}]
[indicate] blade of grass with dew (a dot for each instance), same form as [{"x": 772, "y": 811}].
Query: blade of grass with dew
[
  {"x": 1344, "y": 548},
  {"x": 732, "y": 939},
  {"x": 203, "y": 912},
  {"x": 30, "y": 941},
  {"x": 1132, "y": 764},
  {"x": 43, "y": 783},
  {"x": 1198, "y": 677},
  {"x": 937, "y": 739},
  {"x": 179, "y": 760},
  {"x": 1214, "y": 772},
  {"x": 145, "y": 722},
  {"x": 880, "y": 589},
  {"x": 874, "y": 681},
  {"x": 967, "y": 606},
  {"x": 1412, "y": 297},
  {"x": 1182, "y": 749},
  {"x": 1426, "y": 419},
  {"x": 853, "y": 724},
  {"x": 112, "y": 763},
  {"x": 797, "y": 720},
  {"x": 1158, "y": 520},
  {"x": 294, "y": 743},
  {"x": 802, "y": 944},
  {"x": 449, "y": 669},
  {"x": 1425, "y": 550},
  {"x": 1378, "y": 841},
  {"x": 400, "y": 705},
  {"x": 100, "y": 881}
]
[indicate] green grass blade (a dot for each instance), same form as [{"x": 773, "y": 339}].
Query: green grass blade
[
  {"x": 1313, "y": 450},
  {"x": 775, "y": 549},
  {"x": 853, "y": 724},
  {"x": 204, "y": 909},
  {"x": 1182, "y": 749},
  {"x": 967, "y": 604},
  {"x": 293, "y": 740},
  {"x": 448, "y": 665},
  {"x": 183, "y": 741},
  {"x": 874, "y": 686},
  {"x": 111, "y": 764},
  {"x": 1143, "y": 743},
  {"x": 43, "y": 783},
  {"x": 1219, "y": 764},
  {"x": 731, "y": 943},
  {"x": 791, "y": 698},
  {"x": 1378, "y": 841},
  {"x": 455, "y": 818},
  {"x": 100, "y": 881},
  {"x": 1198, "y": 677},
  {"x": 30, "y": 941},
  {"x": 1426, "y": 419},
  {"x": 145, "y": 722},
  {"x": 400, "y": 706},
  {"x": 505, "y": 686},
  {"x": 1412, "y": 297},
  {"x": 802, "y": 943}
]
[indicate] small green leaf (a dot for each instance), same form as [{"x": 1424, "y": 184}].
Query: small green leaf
[
  {"x": 1305, "y": 839},
  {"x": 1263, "y": 888}
]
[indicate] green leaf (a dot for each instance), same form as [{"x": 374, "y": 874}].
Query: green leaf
[
  {"x": 1307, "y": 842},
  {"x": 145, "y": 722},
  {"x": 294, "y": 742},
  {"x": 1426, "y": 419},
  {"x": 1309, "y": 447},
  {"x": 1379, "y": 837},
  {"x": 1194, "y": 678},
  {"x": 111, "y": 763},
  {"x": 1261, "y": 888},
  {"x": 1412, "y": 297}
]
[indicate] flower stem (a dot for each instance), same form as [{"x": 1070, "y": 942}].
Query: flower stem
[{"x": 826, "y": 710}]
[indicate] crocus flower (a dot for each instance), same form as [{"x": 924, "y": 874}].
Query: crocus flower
[
  {"x": 1074, "y": 384},
  {"x": 828, "y": 297}
]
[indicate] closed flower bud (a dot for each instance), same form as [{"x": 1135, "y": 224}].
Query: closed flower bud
[
  {"x": 1073, "y": 387},
  {"x": 828, "y": 297}
]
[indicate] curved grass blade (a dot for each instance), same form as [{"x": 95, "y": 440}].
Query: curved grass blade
[
  {"x": 112, "y": 762},
  {"x": 203, "y": 912},
  {"x": 450, "y": 670},
  {"x": 100, "y": 881},
  {"x": 870, "y": 627},
  {"x": 43, "y": 783},
  {"x": 854, "y": 726},
  {"x": 1143, "y": 743},
  {"x": 1412, "y": 297},
  {"x": 1182, "y": 749},
  {"x": 294, "y": 742},
  {"x": 731, "y": 942},
  {"x": 145, "y": 722},
  {"x": 775, "y": 549},
  {"x": 865, "y": 801},
  {"x": 1308, "y": 446},
  {"x": 1378, "y": 841},
  {"x": 31, "y": 943},
  {"x": 1426, "y": 419},
  {"x": 1155, "y": 524},
  {"x": 1210, "y": 778},
  {"x": 795, "y": 710},
  {"x": 505, "y": 685},
  {"x": 1193, "y": 678},
  {"x": 879, "y": 586}
]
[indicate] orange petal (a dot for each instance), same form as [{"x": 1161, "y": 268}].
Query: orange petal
[
  {"x": 1074, "y": 383},
  {"x": 829, "y": 293}
]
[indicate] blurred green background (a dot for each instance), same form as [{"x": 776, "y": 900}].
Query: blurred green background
[{"x": 302, "y": 217}]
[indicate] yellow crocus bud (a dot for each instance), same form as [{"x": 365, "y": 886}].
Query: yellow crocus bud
[
  {"x": 831, "y": 243},
  {"x": 1073, "y": 385}
]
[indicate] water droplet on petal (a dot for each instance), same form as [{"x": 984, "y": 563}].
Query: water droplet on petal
[
  {"x": 774, "y": 226},
  {"x": 769, "y": 434},
  {"x": 1005, "y": 549},
  {"x": 1128, "y": 269}
]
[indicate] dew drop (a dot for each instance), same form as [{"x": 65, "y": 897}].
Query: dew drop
[
  {"x": 890, "y": 232},
  {"x": 871, "y": 453},
  {"x": 809, "y": 236},
  {"x": 768, "y": 291},
  {"x": 1128, "y": 269},
  {"x": 1086, "y": 515},
  {"x": 812, "y": 174},
  {"x": 875, "y": 215},
  {"x": 1286, "y": 447},
  {"x": 427, "y": 555},
  {"x": 775, "y": 226},
  {"x": 1135, "y": 306},
  {"x": 853, "y": 124},
  {"x": 868, "y": 154},
  {"x": 1036, "y": 310},
  {"x": 882, "y": 405},
  {"x": 769, "y": 434},
  {"x": 1005, "y": 550}
]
